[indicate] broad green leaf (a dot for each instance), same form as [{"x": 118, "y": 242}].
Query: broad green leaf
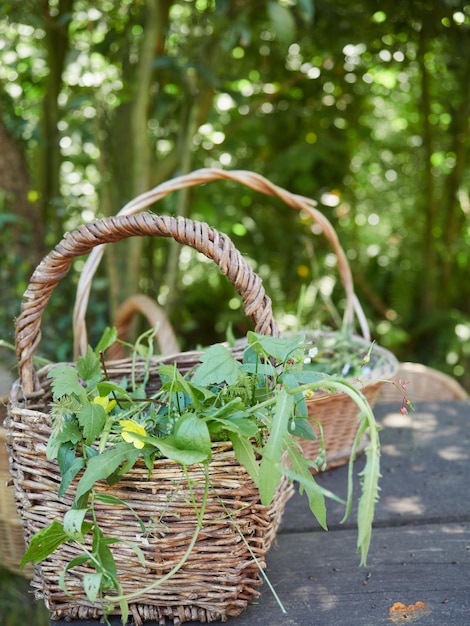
[
  {"x": 168, "y": 447},
  {"x": 290, "y": 381},
  {"x": 270, "y": 468},
  {"x": 106, "y": 387},
  {"x": 73, "y": 524},
  {"x": 108, "y": 337},
  {"x": 239, "y": 424},
  {"x": 245, "y": 455},
  {"x": 65, "y": 382},
  {"x": 66, "y": 457},
  {"x": 191, "y": 432},
  {"x": 89, "y": 368},
  {"x": 280, "y": 348},
  {"x": 102, "y": 552},
  {"x": 92, "y": 584},
  {"x": 92, "y": 419},
  {"x": 303, "y": 429},
  {"x": 69, "y": 475},
  {"x": 44, "y": 542},
  {"x": 217, "y": 366},
  {"x": 103, "y": 465}
]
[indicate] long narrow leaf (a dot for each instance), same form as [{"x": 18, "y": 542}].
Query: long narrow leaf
[{"x": 270, "y": 468}]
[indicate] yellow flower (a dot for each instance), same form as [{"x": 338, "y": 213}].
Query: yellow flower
[
  {"x": 107, "y": 404},
  {"x": 130, "y": 429}
]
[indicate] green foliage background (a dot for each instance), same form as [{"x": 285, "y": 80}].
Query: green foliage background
[{"x": 361, "y": 105}]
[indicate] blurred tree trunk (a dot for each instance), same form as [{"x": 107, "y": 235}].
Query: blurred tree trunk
[
  {"x": 48, "y": 161},
  {"x": 131, "y": 158},
  {"x": 26, "y": 225}
]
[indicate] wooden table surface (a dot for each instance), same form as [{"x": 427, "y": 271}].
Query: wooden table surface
[{"x": 418, "y": 569}]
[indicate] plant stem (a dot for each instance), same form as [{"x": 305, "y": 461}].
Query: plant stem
[{"x": 184, "y": 558}]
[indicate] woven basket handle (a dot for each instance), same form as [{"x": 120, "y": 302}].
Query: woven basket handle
[
  {"x": 199, "y": 177},
  {"x": 198, "y": 235}
]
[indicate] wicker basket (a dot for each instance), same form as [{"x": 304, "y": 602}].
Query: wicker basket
[
  {"x": 337, "y": 413},
  {"x": 12, "y": 544},
  {"x": 220, "y": 576}
]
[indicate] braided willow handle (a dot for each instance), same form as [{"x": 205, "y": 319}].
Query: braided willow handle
[
  {"x": 198, "y": 235},
  {"x": 199, "y": 177}
]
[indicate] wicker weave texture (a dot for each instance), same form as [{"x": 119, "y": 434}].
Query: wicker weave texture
[
  {"x": 423, "y": 383},
  {"x": 220, "y": 576}
]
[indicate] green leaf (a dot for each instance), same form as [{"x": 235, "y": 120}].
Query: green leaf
[
  {"x": 92, "y": 419},
  {"x": 303, "y": 429},
  {"x": 78, "y": 560},
  {"x": 302, "y": 473},
  {"x": 103, "y": 553},
  {"x": 65, "y": 382},
  {"x": 92, "y": 584},
  {"x": 108, "y": 337},
  {"x": 66, "y": 457},
  {"x": 103, "y": 465},
  {"x": 217, "y": 366},
  {"x": 270, "y": 468},
  {"x": 107, "y": 498},
  {"x": 191, "y": 432},
  {"x": 44, "y": 542},
  {"x": 106, "y": 387},
  {"x": 69, "y": 474},
  {"x": 89, "y": 368},
  {"x": 175, "y": 382},
  {"x": 245, "y": 455},
  {"x": 280, "y": 348},
  {"x": 369, "y": 496},
  {"x": 282, "y": 21},
  {"x": 169, "y": 448},
  {"x": 73, "y": 524}
]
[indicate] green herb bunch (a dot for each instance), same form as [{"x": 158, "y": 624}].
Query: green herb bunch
[{"x": 100, "y": 428}]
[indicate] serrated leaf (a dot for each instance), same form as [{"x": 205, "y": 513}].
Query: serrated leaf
[
  {"x": 217, "y": 366},
  {"x": 65, "y": 382},
  {"x": 270, "y": 468},
  {"x": 369, "y": 496},
  {"x": 44, "y": 542},
  {"x": 92, "y": 584},
  {"x": 92, "y": 419},
  {"x": 89, "y": 368},
  {"x": 103, "y": 465}
]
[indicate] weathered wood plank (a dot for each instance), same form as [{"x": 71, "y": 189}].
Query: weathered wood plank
[
  {"x": 420, "y": 551},
  {"x": 319, "y": 582}
]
